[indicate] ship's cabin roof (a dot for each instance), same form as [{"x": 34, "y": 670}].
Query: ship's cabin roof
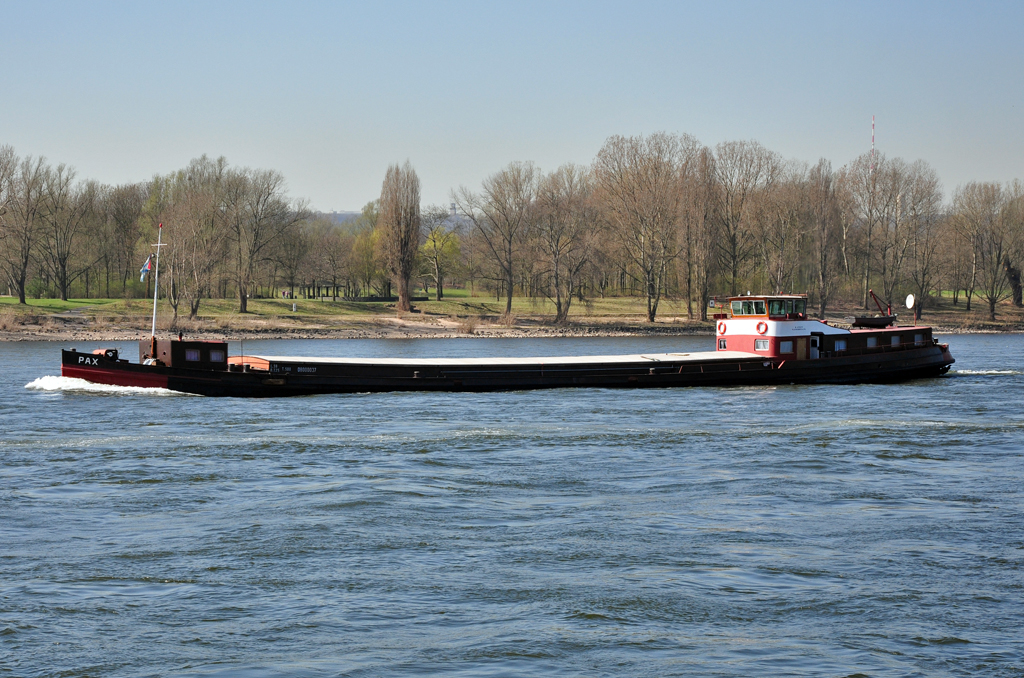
[{"x": 776, "y": 306}]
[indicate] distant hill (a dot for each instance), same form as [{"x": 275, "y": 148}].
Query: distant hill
[{"x": 338, "y": 217}]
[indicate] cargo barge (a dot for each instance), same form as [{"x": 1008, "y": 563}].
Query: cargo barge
[{"x": 760, "y": 340}]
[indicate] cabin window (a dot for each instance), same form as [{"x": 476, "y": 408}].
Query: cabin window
[
  {"x": 786, "y": 306},
  {"x": 918, "y": 338},
  {"x": 872, "y": 342},
  {"x": 721, "y": 344},
  {"x": 895, "y": 340},
  {"x": 840, "y": 345},
  {"x": 760, "y": 344},
  {"x": 192, "y": 355},
  {"x": 216, "y": 356},
  {"x": 785, "y": 346},
  {"x": 752, "y": 307}
]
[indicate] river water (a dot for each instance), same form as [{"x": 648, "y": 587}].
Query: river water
[{"x": 870, "y": 530}]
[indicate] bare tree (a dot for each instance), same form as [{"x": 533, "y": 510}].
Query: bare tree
[
  {"x": 502, "y": 214},
  {"x": 743, "y": 169},
  {"x": 975, "y": 213},
  {"x": 700, "y": 228},
  {"x": 894, "y": 234},
  {"x": 66, "y": 208},
  {"x": 440, "y": 245},
  {"x": 826, "y": 225},
  {"x": 190, "y": 204},
  {"x": 1013, "y": 214},
  {"x": 780, "y": 213},
  {"x": 196, "y": 247},
  {"x": 566, "y": 228},
  {"x": 304, "y": 254},
  {"x": 125, "y": 204},
  {"x": 330, "y": 248},
  {"x": 22, "y": 224},
  {"x": 990, "y": 218},
  {"x": 8, "y": 167},
  {"x": 638, "y": 189},
  {"x": 924, "y": 220},
  {"x": 258, "y": 212},
  {"x": 863, "y": 179},
  {"x": 847, "y": 219},
  {"x": 399, "y": 227}
]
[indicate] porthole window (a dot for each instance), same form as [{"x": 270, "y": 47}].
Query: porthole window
[
  {"x": 760, "y": 344},
  {"x": 785, "y": 347}
]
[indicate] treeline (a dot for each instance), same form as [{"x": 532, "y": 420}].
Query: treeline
[{"x": 655, "y": 217}]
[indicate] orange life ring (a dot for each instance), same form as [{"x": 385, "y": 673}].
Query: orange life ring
[
  {"x": 721, "y": 328},
  {"x": 762, "y": 327}
]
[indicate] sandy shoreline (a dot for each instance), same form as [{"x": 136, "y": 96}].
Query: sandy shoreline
[
  {"x": 378, "y": 328},
  {"x": 395, "y": 328}
]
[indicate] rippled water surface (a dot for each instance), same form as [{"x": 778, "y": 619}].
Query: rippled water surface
[{"x": 801, "y": 530}]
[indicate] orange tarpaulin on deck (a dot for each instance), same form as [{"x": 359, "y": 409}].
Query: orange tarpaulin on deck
[{"x": 253, "y": 363}]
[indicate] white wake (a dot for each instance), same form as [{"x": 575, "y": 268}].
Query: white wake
[
  {"x": 52, "y": 383},
  {"x": 987, "y": 371}
]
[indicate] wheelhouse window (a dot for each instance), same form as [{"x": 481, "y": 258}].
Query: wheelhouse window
[
  {"x": 872, "y": 342},
  {"x": 786, "y": 306},
  {"x": 918, "y": 338},
  {"x": 216, "y": 356},
  {"x": 760, "y": 344},
  {"x": 896, "y": 340},
  {"x": 192, "y": 355},
  {"x": 721, "y": 344},
  {"x": 840, "y": 345},
  {"x": 752, "y": 307},
  {"x": 786, "y": 346}
]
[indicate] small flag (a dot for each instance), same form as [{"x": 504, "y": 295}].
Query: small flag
[{"x": 146, "y": 268}]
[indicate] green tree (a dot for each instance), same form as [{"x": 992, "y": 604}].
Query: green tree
[{"x": 441, "y": 250}]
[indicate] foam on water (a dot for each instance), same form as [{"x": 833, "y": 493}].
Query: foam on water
[
  {"x": 986, "y": 372},
  {"x": 54, "y": 383}
]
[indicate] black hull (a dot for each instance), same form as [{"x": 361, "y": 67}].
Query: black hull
[{"x": 364, "y": 377}]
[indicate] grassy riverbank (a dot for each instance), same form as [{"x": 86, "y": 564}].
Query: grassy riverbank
[{"x": 457, "y": 315}]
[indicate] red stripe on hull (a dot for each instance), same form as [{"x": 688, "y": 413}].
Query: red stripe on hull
[{"x": 115, "y": 377}]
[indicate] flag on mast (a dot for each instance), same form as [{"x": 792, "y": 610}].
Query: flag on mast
[{"x": 146, "y": 268}]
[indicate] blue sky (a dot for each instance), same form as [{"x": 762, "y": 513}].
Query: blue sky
[{"x": 330, "y": 93}]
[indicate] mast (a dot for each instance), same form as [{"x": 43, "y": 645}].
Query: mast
[
  {"x": 872, "y": 149},
  {"x": 156, "y": 282}
]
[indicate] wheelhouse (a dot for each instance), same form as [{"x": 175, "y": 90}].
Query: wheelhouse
[
  {"x": 781, "y": 307},
  {"x": 777, "y": 326}
]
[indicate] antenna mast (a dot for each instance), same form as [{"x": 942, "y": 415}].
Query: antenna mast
[
  {"x": 872, "y": 149},
  {"x": 156, "y": 279}
]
